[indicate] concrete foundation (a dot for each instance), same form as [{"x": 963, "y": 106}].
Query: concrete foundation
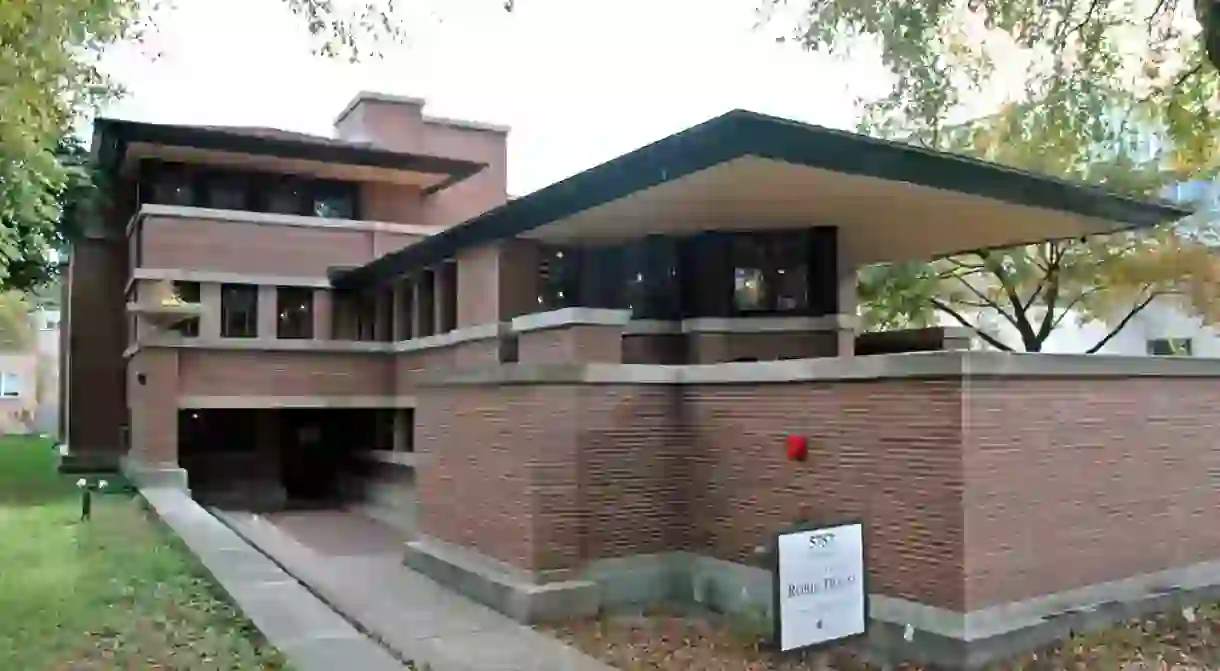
[
  {"x": 146, "y": 476},
  {"x": 499, "y": 586},
  {"x": 966, "y": 641}
]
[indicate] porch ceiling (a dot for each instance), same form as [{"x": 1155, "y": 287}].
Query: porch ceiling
[
  {"x": 878, "y": 219},
  {"x": 746, "y": 171}
]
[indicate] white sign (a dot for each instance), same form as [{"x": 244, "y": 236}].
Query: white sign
[{"x": 820, "y": 586}]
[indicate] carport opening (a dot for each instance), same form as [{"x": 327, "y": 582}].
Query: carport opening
[
  {"x": 220, "y": 449},
  {"x": 273, "y": 458}
]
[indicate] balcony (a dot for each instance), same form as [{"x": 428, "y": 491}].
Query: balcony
[
  {"x": 262, "y": 244},
  {"x": 162, "y": 308}
]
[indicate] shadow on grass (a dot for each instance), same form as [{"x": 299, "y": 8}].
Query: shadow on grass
[{"x": 29, "y": 475}]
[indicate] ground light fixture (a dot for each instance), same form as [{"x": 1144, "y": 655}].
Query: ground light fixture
[{"x": 86, "y": 496}]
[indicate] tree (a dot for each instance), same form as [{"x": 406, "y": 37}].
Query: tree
[
  {"x": 50, "y": 81},
  {"x": 16, "y": 328},
  {"x": 49, "y": 78},
  {"x": 1112, "y": 92}
]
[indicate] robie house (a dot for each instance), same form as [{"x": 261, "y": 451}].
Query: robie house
[{"x": 581, "y": 398}]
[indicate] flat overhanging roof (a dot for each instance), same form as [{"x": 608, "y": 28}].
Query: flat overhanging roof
[
  {"x": 748, "y": 171},
  {"x": 119, "y": 145}
]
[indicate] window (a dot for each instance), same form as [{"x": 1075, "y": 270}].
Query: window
[
  {"x": 10, "y": 384},
  {"x": 406, "y": 308},
  {"x": 200, "y": 186},
  {"x": 447, "y": 278},
  {"x": 226, "y": 192},
  {"x": 335, "y": 200},
  {"x": 769, "y": 273},
  {"x": 171, "y": 185},
  {"x": 294, "y": 310},
  {"x": 1171, "y": 347},
  {"x": 365, "y": 308},
  {"x": 286, "y": 196},
  {"x": 558, "y": 278},
  {"x": 189, "y": 293},
  {"x": 238, "y": 311},
  {"x": 427, "y": 305}
]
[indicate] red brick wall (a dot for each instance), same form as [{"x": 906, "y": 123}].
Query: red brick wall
[
  {"x": 887, "y": 452},
  {"x": 153, "y": 405},
  {"x": 490, "y": 452},
  {"x": 639, "y": 483},
  {"x": 1079, "y": 481},
  {"x": 975, "y": 492},
  {"x": 563, "y": 472},
  {"x": 239, "y": 373},
  {"x": 95, "y": 337},
  {"x": 571, "y": 473},
  {"x": 572, "y": 343},
  {"x": 256, "y": 249},
  {"x": 636, "y": 470}
]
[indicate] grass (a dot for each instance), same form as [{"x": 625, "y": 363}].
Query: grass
[{"x": 118, "y": 592}]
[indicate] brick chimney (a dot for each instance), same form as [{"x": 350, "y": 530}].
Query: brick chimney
[{"x": 387, "y": 121}]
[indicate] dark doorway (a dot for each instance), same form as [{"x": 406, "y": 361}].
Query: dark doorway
[
  {"x": 217, "y": 446},
  {"x": 320, "y": 450}
]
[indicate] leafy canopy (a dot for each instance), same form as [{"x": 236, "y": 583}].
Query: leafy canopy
[
  {"x": 51, "y": 82},
  {"x": 1113, "y": 92}
]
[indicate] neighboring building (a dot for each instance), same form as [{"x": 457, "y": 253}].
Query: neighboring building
[
  {"x": 46, "y": 415},
  {"x": 1164, "y": 328},
  {"x": 604, "y": 387},
  {"x": 1161, "y": 329},
  {"x": 29, "y": 379}
]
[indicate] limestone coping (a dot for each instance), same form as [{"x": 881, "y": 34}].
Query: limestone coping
[
  {"x": 915, "y": 365},
  {"x": 212, "y": 277},
  {"x": 568, "y": 317},
  {"x": 447, "y": 339},
  {"x": 206, "y": 402},
  {"x": 836, "y": 322},
  {"x": 274, "y": 219}
]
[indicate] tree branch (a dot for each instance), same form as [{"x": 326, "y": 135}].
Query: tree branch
[
  {"x": 1160, "y": 5},
  {"x": 1187, "y": 75},
  {"x": 1021, "y": 321},
  {"x": 987, "y": 302},
  {"x": 1050, "y": 295},
  {"x": 1122, "y": 324},
  {"x": 1075, "y": 301},
  {"x": 940, "y": 305},
  {"x": 1088, "y": 16}
]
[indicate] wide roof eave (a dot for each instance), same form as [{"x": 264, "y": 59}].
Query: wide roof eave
[
  {"x": 742, "y": 133},
  {"x": 112, "y": 136}
]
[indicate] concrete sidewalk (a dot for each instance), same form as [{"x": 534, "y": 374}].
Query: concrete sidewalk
[
  {"x": 355, "y": 565},
  {"x": 309, "y": 633}
]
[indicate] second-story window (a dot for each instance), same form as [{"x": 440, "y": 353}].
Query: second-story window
[
  {"x": 334, "y": 200},
  {"x": 171, "y": 185},
  {"x": 294, "y": 313},
  {"x": 286, "y": 196},
  {"x": 238, "y": 311},
  {"x": 366, "y": 317},
  {"x": 225, "y": 192},
  {"x": 189, "y": 293}
]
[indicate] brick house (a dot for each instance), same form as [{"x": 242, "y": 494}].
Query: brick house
[{"x": 592, "y": 384}]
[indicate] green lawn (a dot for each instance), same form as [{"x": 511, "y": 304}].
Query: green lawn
[{"x": 118, "y": 592}]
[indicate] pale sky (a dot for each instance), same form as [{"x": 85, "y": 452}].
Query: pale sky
[{"x": 579, "y": 81}]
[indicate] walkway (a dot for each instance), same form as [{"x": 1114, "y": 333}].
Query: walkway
[
  {"x": 309, "y": 633},
  {"x": 355, "y": 564}
]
